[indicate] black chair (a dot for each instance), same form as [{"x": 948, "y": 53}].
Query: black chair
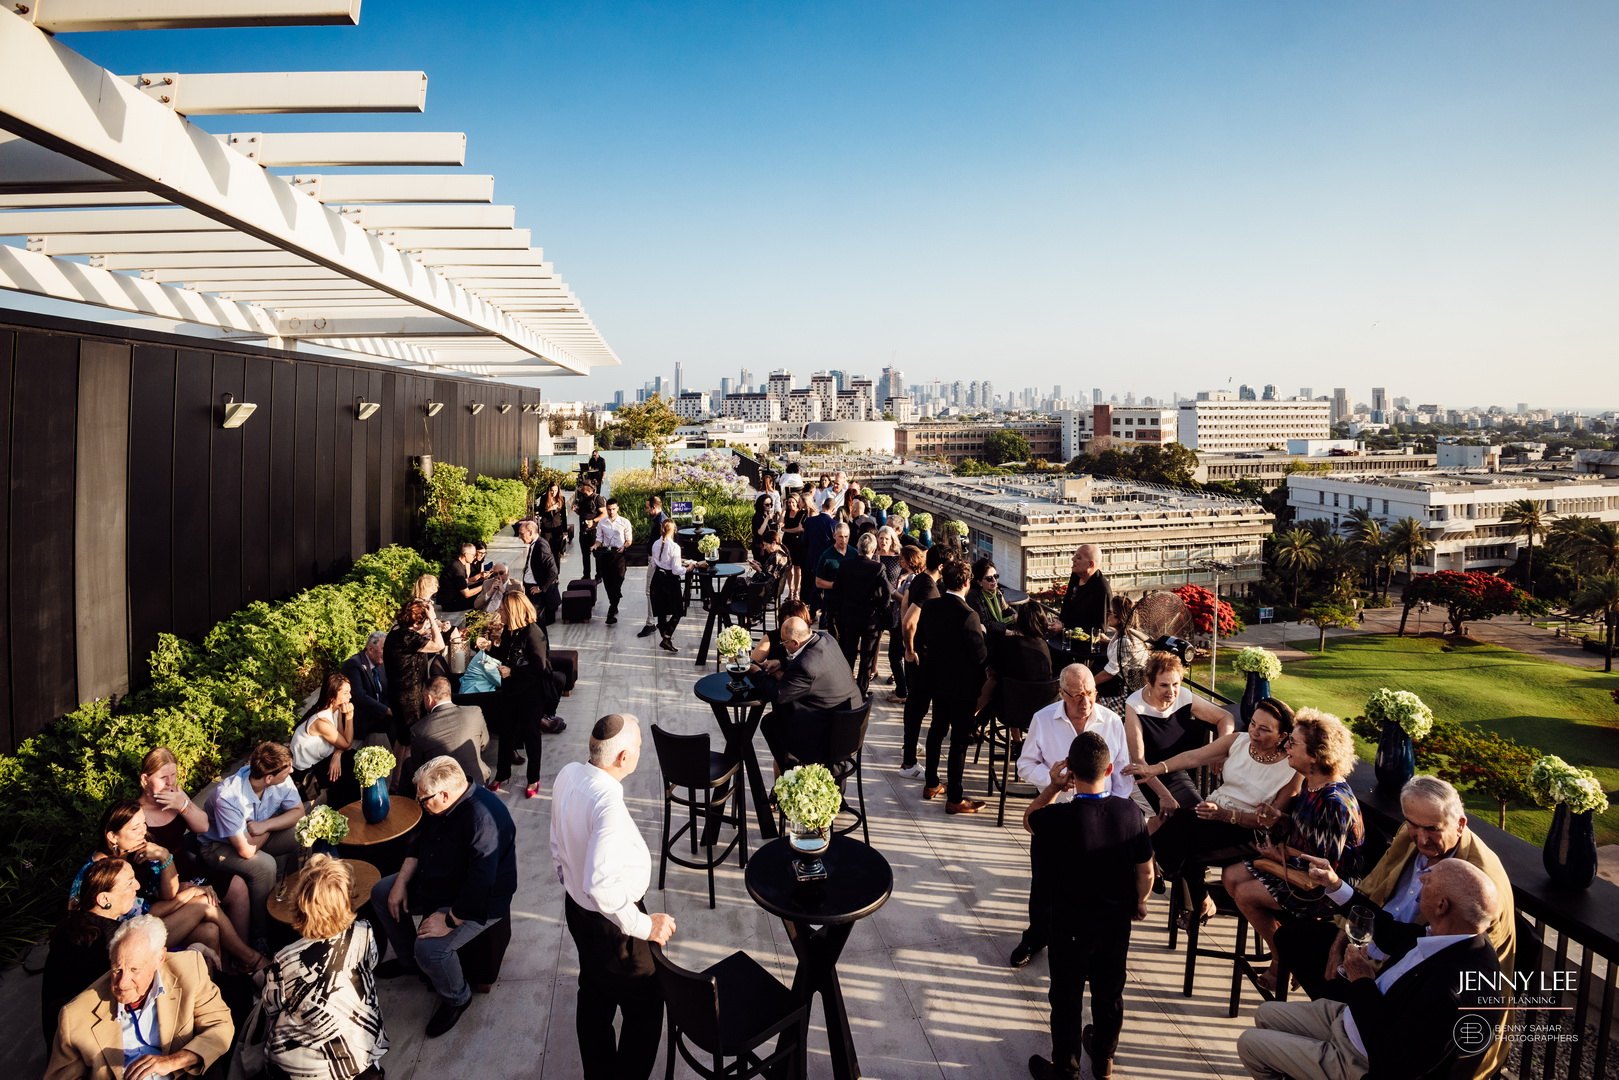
[
  {"x": 844, "y": 749},
  {"x": 1245, "y": 965},
  {"x": 686, "y": 762},
  {"x": 730, "y": 1010},
  {"x": 1016, "y": 702}
]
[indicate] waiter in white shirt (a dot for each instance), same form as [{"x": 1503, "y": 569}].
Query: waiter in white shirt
[
  {"x": 612, "y": 537},
  {"x": 605, "y": 866},
  {"x": 1051, "y": 732}
]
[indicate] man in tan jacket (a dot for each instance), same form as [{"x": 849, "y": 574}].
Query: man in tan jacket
[{"x": 155, "y": 1014}]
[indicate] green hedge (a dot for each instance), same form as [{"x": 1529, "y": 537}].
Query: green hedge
[
  {"x": 459, "y": 513},
  {"x": 209, "y": 703}
]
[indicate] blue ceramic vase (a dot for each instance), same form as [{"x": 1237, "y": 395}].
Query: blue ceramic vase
[
  {"x": 1257, "y": 690},
  {"x": 374, "y": 802},
  {"x": 1570, "y": 855},
  {"x": 1396, "y": 760},
  {"x": 926, "y": 536}
]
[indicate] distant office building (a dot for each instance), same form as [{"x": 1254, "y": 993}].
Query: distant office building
[
  {"x": 1341, "y": 408},
  {"x": 780, "y": 383},
  {"x": 1270, "y": 392},
  {"x": 692, "y": 405},
  {"x": 1307, "y": 393},
  {"x": 618, "y": 399},
  {"x": 891, "y": 384},
  {"x": 680, "y": 379},
  {"x": 1128, "y": 425},
  {"x": 1380, "y": 399},
  {"x": 745, "y": 383},
  {"x": 751, "y": 406},
  {"x": 899, "y": 408},
  {"x": 725, "y": 388},
  {"x": 956, "y": 443},
  {"x": 1218, "y": 425},
  {"x": 838, "y": 379},
  {"x": 1247, "y": 393}
]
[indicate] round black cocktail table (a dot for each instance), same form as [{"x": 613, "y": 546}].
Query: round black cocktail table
[
  {"x": 739, "y": 715},
  {"x": 819, "y": 916},
  {"x": 710, "y": 581}
]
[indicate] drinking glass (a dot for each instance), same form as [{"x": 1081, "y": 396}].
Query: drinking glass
[{"x": 1362, "y": 919}]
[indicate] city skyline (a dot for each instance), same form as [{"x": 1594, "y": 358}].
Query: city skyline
[{"x": 1405, "y": 195}]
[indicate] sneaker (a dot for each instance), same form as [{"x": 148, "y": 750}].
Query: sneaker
[{"x": 915, "y": 772}]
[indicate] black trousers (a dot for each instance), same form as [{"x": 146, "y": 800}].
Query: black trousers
[
  {"x": 916, "y": 710},
  {"x": 952, "y": 715},
  {"x": 896, "y": 662},
  {"x": 1082, "y": 954},
  {"x": 586, "y": 538},
  {"x": 547, "y": 602},
  {"x": 616, "y": 975},
  {"x": 525, "y": 704},
  {"x": 610, "y": 568},
  {"x": 1303, "y": 946},
  {"x": 1038, "y": 934},
  {"x": 858, "y": 640},
  {"x": 1186, "y": 844}
]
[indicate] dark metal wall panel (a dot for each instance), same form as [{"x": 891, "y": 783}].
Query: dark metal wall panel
[
  {"x": 376, "y": 432},
  {"x": 151, "y": 500},
  {"x": 346, "y": 539},
  {"x": 225, "y": 458},
  {"x": 101, "y": 516},
  {"x": 323, "y": 420},
  {"x": 303, "y": 478},
  {"x": 197, "y": 413},
  {"x": 44, "y": 676},
  {"x": 257, "y": 437},
  {"x": 283, "y": 479},
  {"x": 7, "y": 735}
]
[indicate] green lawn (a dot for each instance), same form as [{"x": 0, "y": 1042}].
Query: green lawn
[{"x": 1552, "y": 707}]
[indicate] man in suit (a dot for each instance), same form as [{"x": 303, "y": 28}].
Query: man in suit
[
  {"x": 154, "y": 1014},
  {"x": 949, "y": 639},
  {"x": 446, "y": 728},
  {"x": 539, "y": 572},
  {"x": 813, "y": 681},
  {"x": 1435, "y": 829},
  {"x": 859, "y": 595},
  {"x": 818, "y": 528},
  {"x": 1400, "y": 1022},
  {"x": 369, "y": 682}
]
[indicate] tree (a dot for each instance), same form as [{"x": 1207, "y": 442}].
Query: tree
[
  {"x": 1296, "y": 550},
  {"x": 1467, "y": 596},
  {"x": 651, "y": 421},
  {"x": 1003, "y": 444},
  {"x": 1600, "y": 595},
  {"x": 1471, "y": 757},
  {"x": 1408, "y": 540},
  {"x": 1370, "y": 539},
  {"x": 1328, "y": 615},
  {"x": 1531, "y": 518},
  {"x": 1336, "y": 565},
  {"x": 973, "y": 467}
]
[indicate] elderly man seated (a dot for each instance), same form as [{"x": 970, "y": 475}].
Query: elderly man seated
[
  {"x": 1435, "y": 829},
  {"x": 459, "y": 875},
  {"x": 155, "y": 1014},
  {"x": 450, "y": 729},
  {"x": 1400, "y": 1020},
  {"x": 813, "y": 681},
  {"x": 1051, "y": 731}
]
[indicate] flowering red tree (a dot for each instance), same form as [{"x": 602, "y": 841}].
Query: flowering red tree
[
  {"x": 1466, "y": 596},
  {"x": 1200, "y": 602}
]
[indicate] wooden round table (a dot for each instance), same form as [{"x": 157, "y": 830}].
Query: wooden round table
[
  {"x": 362, "y": 877},
  {"x": 403, "y": 814}
]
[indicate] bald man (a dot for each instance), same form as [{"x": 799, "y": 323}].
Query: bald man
[
  {"x": 1084, "y": 606},
  {"x": 813, "y": 681},
  {"x": 1400, "y": 1021}
]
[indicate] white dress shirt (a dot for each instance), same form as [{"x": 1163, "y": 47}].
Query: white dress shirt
[
  {"x": 600, "y": 856},
  {"x": 1050, "y": 735},
  {"x": 666, "y": 556},
  {"x": 139, "y": 1027},
  {"x": 613, "y": 532},
  {"x": 528, "y": 567}
]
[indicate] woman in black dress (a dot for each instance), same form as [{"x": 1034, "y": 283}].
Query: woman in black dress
[
  {"x": 529, "y": 688},
  {"x": 552, "y": 514},
  {"x": 1164, "y": 719},
  {"x": 792, "y": 533},
  {"x": 406, "y": 653},
  {"x": 78, "y": 956},
  {"x": 590, "y": 507}
]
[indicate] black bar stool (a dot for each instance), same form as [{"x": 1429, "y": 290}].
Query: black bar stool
[
  {"x": 1016, "y": 702},
  {"x": 845, "y": 746},
  {"x": 686, "y": 762},
  {"x": 730, "y": 1010}
]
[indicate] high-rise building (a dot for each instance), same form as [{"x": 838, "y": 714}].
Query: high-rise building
[
  {"x": 745, "y": 383},
  {"x": 825, "y": 388},
  {"x": 680, "y": 379},
  {"x": 1246, "y": 393},
  {"x": 1270, "y": 392},
  {"x": 840, "y": 380},
  {"x": 1340, "y": 405},
  {"x": 1380, "y": 399},
  {"x": 725, "y": 388},
  {"x": 780, "y": 383},
  {"x": 891, "y": 384},
  {"x": 1306, "y": 393}
]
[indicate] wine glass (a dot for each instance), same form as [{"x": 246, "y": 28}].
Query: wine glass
[{"x": 1358, "y": 929}]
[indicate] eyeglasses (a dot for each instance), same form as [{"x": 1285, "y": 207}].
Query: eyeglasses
[
  {"x": 1079, "y": 693},
  {"x": 423, "y": 800}
]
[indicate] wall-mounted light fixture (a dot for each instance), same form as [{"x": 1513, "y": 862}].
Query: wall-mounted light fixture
[
  {"x": 505, "y": 407},
  {"x": 434, "y": 407},
  {"x": 365, "y": 410},
  {"x": 476, "y": 407},
  {"x": 237, "y": 412}
]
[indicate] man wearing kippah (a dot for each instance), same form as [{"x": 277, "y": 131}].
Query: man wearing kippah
[{"x": 605, "y": 868}]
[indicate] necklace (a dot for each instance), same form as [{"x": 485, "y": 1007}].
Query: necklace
[{"x": 1266, "y": 759}]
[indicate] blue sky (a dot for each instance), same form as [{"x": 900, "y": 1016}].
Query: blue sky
[{"x": 1147, "y": 196}]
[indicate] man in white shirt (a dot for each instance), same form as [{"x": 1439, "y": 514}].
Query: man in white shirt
[
  {"x": 251, "y": 814},
  {"x": 1051, "y": 732},
  {"x": 612, "y": 537},
  {"x": 605, "y": 867}
]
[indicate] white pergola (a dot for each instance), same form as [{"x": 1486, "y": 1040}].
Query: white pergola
[{"x": 123, "y": 203}]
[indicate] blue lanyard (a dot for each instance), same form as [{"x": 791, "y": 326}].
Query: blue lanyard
[
  {"x": 1090, "y": 794},
  {"x": 135, "y": 1022}
]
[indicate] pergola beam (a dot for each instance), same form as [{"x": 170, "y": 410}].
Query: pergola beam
[
  {"x": 321, "y": 149},
  {"x": 166, "y": 219},
  {"x": 431, "y": 216},
  {"x": 74, "y": 16},
  {"x": 375, "y": 188},
  {"x": 349, "y": 325},
  {"x": 149, "y": 243},
  {"x": 413, "y": 240},
  {"x": 234, "y": 93}
]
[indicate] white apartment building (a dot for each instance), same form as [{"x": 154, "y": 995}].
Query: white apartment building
[
  {"x": 1461, "y": 510},
  {"x": 691, "y": 405},
  {"x": 902, "y": 409},
  {"x": 751, "y": 407},
  {"x": 1220, "y": 426},
  {"x": 801, "y": 407},
  {"x": 1129, "y": 424}
]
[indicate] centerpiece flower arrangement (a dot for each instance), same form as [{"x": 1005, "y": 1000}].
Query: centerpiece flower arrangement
[
  {"x": 810, "y": 799},
  {"x": 922, "y": 526},
  {"x": 698, "y": 513},
  {"x": 1403, "y": 718},
  {"x": 372, "y": 767},
  {"x": 322, "y": 825},
  {"x": 882, "y": 502},
  {"x": 899, "y": 509},
  {"x": 733, "y": 645},
  {"x": 1254, "y": 660},
  {"x": 1076, "y": 634},
  {"x": 1570, "y": 854},
  {"x": 709, "y": 547}
]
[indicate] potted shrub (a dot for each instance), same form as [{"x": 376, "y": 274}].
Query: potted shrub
[{"x": 879, "y": 508}]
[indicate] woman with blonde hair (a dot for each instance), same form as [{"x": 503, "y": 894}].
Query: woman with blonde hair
[
  {"x": 173, "y": 820},
  {"x": 1326, "y": 823},
  {"x": 668, "y": 570},
  {"x": 320, "y": 996},
  {"x": 529, "y": 689}
]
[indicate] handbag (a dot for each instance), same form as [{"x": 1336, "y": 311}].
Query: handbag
[
  {"x": 252, "y": 1048},
  {"x": 483, "y": 674}
]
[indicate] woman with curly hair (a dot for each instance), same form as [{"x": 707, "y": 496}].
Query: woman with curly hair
[
  {"x": 1325, "y": 823},
  {"x": 406, "y": 653}
]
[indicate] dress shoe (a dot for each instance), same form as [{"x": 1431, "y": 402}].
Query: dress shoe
[
  {"x": 393, "y": 969},
  {"x": 667, "y": 646},
  {"x": 965, "y": 806},
  {"x": 612, "y": 617},
  {"x": 1101, "y": 1068},
  {"x": 444, "y": 1018},
  {"x": 932, "y": 791},
  {"x": 1022, "y": 954},
  {"x": 1044, "y": 1069},
  {"x": 647, "y": 631}
]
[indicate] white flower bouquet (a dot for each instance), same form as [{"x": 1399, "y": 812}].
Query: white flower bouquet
[
  {"x": 1400, "y": 707},
  {"x": 1553, "y": 781},
  {"x": 808, "y": 795},
  {"x": 734, "y": 641},
  {"x": 372, "y": 763},
  {"x": 1257, "y": 661},
  {"x": 708, "y": 547},
  {"x": 321, "y": 823}
]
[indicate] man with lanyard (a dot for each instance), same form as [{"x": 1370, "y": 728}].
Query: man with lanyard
[
  {"x": 655, "y": 517},
  {"x": 1051, "y": 731},
  {"x": 613, "y": 535}
]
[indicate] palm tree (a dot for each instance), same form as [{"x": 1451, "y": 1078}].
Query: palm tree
[
  {"x": 1296, "y": 550},
  {"x": 1335, "y": 557},
  {"x": 1368, "y": 536},
  {"x": 1600, "y": 595},
  {"x": 1408, "y": 541},
  {"x": 1598, "y": 547},
  {"x": 1531, "y": 518}
]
